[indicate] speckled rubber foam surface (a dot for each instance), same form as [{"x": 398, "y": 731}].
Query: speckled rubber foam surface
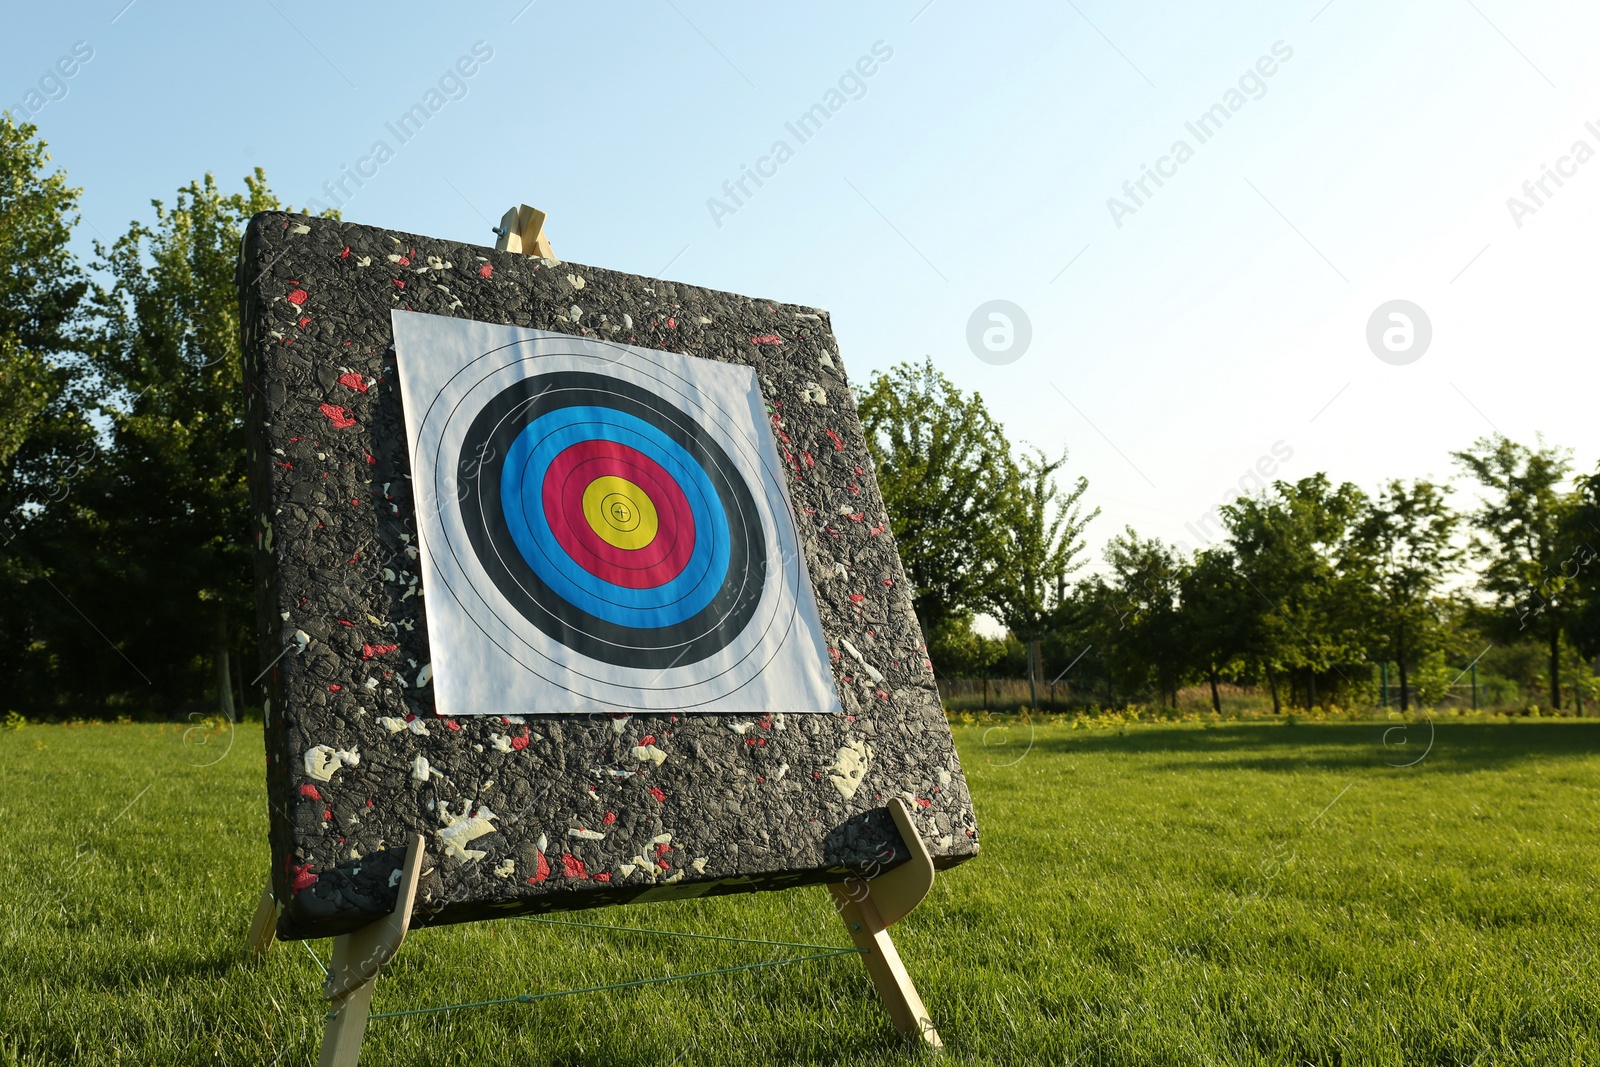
[{"x": 538, "y": 813}]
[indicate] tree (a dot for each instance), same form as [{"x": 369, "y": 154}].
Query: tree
[
  {"x": 1214, "y": 606},
  {"x": 1041, "y": 528},
  {"x": 45, "y": 434},
  {"x": 173, "y": 563},
  {"x": 1522, "y": 524},
  {"x": 944, "y": 468},
  {"x": 1147, "y": 577},
  {"x": 1288, "y": 543},
  {"x": 1403, "y": 547},
  {"x": 41, "y": 285}
]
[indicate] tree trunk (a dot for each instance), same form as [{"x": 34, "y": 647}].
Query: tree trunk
[
  {"x": 1272, "y": 683},
  {"x": 1216, "y": 700},
  {"x": 1311, "y": 687},
  {"x": 220, "y": 658},
  {"x": 1033, "y": 672},
  {"x": 1400, "y": 662},
  {"x": 1555, "y": 669}
]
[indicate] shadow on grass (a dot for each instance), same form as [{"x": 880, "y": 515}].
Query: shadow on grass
[{"x": 1284, "y": 747}]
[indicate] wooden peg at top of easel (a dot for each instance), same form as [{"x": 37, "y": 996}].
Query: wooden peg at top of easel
[{"x": 522, "y": 230}]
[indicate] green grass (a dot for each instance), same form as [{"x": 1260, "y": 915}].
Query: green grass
[{"x": 1240, "y": 894}]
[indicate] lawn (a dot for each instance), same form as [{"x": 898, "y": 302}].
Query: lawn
[{"x": 1249, "y": 893}]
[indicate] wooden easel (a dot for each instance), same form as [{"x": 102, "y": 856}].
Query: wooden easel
[{"x": 868, "y": 906}]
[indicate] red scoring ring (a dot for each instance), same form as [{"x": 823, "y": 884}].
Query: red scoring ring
[{"x": 572, "y": 471}]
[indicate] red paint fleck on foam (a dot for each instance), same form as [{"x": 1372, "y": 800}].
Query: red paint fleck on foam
[
  {"x": 352, "y": 380},
  {"x": 327, "y": 814},
  {"x": 887, "y": 582},
  {"x": 572, "y": 866},
  {"x": 368, "y": 651},
  {"x": 398, "y": 284},
  {"x": 451, "y": 724},
  {"x": 305, "y": 320},
  {"x": 541, "y": 871},
  {"x": 603, "y": 876},
  {"x": 300, "y": 876},
  {"x": 655, "y": 791},
  {"x": 486, "y": 271},
  {"x": 924, "y": 802},
  {"x": 337, "y": 415},
  {"x": 767, "y": 339},
  {"x": 672, "y": 324},
  {"x": 334, "y": 688},
  {"x": 876, "y": 530},
  {"x": 856, "y": 598},
  {"x": 648, "y": 739},
  {"x": 371, "y": 460},
  {"x": 838, "y": 444},
  {"x": 346, "y": 253},
  {"x": 520, "y": 742},
  {"x": 610, "y": 818},
  {"x": 309, "y": 790},
  {"x": 297, "y": 297}
]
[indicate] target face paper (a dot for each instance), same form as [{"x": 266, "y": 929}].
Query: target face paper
[{"x": 603, "y": 528}]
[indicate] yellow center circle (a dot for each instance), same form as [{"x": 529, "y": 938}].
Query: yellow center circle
[{"x": 620, "y": 512}]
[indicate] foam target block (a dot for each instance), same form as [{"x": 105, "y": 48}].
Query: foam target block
[{"x": 629, "y": 624}]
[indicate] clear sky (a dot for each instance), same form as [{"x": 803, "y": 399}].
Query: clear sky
[{"x": 1364, "y": 151}]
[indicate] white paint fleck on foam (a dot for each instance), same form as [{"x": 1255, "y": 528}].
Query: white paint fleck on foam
[
  {"x": 420, "y": 769},
  {"x": 649, "y": 753},
  {"x": 461, "y": 830},
  {"x": 739, "y": 727},
  {"x": 506, "y": 869},
  {"x": 619, "y": 722},
  {"x": 543, "y": 844},
  {"x": 661, "y": 839},
  {"x": 777, "y": 775},
  {"x": 699, "y": 865},
  {"x": 392, "y": 724},
  {"x": 302, "y": 639},
  {"x": 321, "y": 762},
  {"x": 872, "y": 672},
  {"x": 502, "y": 742},
  {"x": 425, "y": 675},
  {"x": 850, "y": 767},
  {"x": 586, "y": 835},
  {"x": 814, "y": 393},
  {"x": 944, "y": 776}
]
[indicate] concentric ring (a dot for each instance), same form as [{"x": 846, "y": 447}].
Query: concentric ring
[{"x": 678, "y": 597}]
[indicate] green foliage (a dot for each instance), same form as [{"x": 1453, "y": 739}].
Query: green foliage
[
  {"x": 944, "y": 467},
  {"x": 41, "y": 285},
  {"x": 1522, "y": 535},
  {"x": 1401, "y": 552},
  {"x": 1041, "y": 536},
  {"x": 1289, "y": 544}
]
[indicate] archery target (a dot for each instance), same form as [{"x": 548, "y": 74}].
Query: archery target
[{"x": 602, "y": 527}]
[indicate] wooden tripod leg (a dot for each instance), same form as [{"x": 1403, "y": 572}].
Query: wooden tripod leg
[
  {"x": 357, "y": 958},
  {"x": 264, "y": 927},
  {"x": 869, "y": 907}
]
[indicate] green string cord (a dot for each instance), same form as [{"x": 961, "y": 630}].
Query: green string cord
[
  {"x": 528, "y": 998},
  {"x": 307, "y": 946},
  {"x": 678, "y": 933}
]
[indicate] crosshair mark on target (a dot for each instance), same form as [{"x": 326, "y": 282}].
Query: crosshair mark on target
[{"x": 624, "y": 538}]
